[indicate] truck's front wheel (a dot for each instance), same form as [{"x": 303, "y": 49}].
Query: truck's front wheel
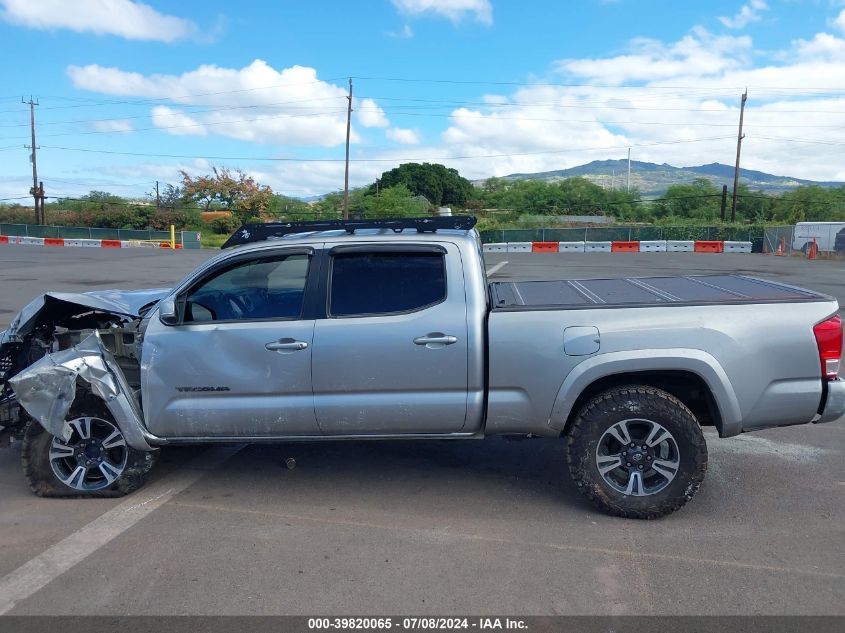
[
  {"x": 94, "y": 461},
  {"x": 636, "y": 452}
]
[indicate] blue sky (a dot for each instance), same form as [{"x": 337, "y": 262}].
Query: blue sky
[{"x": 132, "y": 92}]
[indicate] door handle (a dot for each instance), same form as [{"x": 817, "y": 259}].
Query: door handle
[
  {"x": 286, "y": 345},
  {"x": 434, "y": 340}
]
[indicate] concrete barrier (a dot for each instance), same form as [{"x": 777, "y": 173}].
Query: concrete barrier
[
  {"x": 653, "y": 246},
  {"x": 26, "y": 241},
  {"x": 83, "y": 243},
  {"x": 496, "y": 247},
  {"x": 92, "y": 243},
  {"x": 625, "y": 247},
  {"x": 519, "y": 247},
  {"x": 570, "y": 247},
  {"x": 708, "y": 246},
  {"x": 544, "y": 247},
  {"x": 680, "y": 246},
  {"x": 737, "y": 247},
  {"x": 597, "y": 247}
]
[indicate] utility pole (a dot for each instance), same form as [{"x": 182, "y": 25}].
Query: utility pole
[
  {"x": 346, "y": 171},
  {"x": 158, "y": 198},
  {"x": 39, "y": 203},
  {"x": 739, "y": 138},
  {"x": 628, "y": 186},
  {"x": 724, "y": 203},
  {"x": 41, "y": 206}
]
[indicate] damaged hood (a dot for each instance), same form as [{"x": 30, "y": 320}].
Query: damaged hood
[{"x": 126, "y": 303}]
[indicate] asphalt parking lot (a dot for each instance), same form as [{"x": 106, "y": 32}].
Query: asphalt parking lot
[{"x": 439, "y": 527}]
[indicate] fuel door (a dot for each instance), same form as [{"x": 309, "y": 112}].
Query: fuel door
[{"x": 581, "y": 340}]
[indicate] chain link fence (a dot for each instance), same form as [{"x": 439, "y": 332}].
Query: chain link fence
[{"x": 82, "y": 232}]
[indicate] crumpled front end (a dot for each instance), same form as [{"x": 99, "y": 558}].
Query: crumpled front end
[
  {"x": 47, "y": 389},
  {"x": 56, "y": 321}
]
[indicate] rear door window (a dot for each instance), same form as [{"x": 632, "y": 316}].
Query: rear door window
[{"x": 383, "y": 283}]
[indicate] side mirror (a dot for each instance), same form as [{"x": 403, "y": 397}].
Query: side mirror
[{"x": 167, "y": 311}]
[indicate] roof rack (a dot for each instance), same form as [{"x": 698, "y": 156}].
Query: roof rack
[{"x": 249, "y": 233}]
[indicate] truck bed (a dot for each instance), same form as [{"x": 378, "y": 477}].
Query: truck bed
[{"x": 631, "y": 292}]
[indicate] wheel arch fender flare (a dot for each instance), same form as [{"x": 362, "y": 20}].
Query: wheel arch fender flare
[
  {"x": 47, "y": 388},
  {"x": 695, "y": 361}
]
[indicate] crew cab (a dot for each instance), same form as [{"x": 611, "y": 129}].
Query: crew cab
[{"x": 381, "y": 329}]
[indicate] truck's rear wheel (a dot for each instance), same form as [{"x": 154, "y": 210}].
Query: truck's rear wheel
[
  {"x": 636, "y": 452},
  {"x": 94, "y": 461}
]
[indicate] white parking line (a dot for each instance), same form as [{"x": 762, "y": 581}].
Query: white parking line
[
  {"x": 56, "y": 560},
  {"x": 494, "y": 269}
]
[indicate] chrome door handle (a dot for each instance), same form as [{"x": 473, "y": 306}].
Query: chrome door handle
[
  {"x": 285, "y": 345},
  {"x": 435, "y": 339}
]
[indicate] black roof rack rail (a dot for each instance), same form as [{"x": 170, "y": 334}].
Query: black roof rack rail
[{"x": 249, "y": 233}]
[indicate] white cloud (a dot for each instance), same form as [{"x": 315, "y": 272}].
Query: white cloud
[
  {"x": 255, "y": 103},
  {"x": 453, "y": 10},
  {"x": 839, "y": 21},
  {"x": 699, "y": 53},
  {"x": 176, "y": 122},
  {"x": 822, "y": 46},
  {"x": 748, "y": 13},
  {"x": 113, "y": 125},
  {"x": 403, "y": 136},
  {"x": 123, "y": 18},
  {"x": 405, "y": 33},
  {"x": 370, "y": 114}
]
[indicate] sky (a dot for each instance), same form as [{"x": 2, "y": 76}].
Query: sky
[{"x": 130, "y": 93}]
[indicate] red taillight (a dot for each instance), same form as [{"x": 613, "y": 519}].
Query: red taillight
[{"x": 829, "y": 340}]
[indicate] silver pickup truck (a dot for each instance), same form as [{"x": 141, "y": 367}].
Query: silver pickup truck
[{"x": 390, "y": 329}]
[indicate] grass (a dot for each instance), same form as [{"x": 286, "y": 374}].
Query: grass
[{"x": 213, "y": 240}]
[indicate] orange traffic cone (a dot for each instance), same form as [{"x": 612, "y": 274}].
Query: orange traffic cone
[
  {"x": 811, "y": 253},
  {"x": 779, "y": 251}
]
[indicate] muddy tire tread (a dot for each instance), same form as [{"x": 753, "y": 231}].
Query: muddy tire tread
[
  {"x": 662, "y": 403},
  {"x": 35, "y": 448}
]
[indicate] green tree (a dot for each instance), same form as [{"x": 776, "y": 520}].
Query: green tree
[
  {"x": 169, "y": 197},
  {"x": 699, "y": 200},
  {"x": 439, "y": 184},
  {"x": 234, "y": 191},
  {"x": 394, "y": 202},
  {"x": 287, "y": 208},
  {"x": 810, "y": 203}
]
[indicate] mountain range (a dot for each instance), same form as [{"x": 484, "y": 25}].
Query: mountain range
[{"x": 652, "y": 179}]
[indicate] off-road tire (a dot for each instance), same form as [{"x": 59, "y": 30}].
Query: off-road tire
[
  {"x": 636, "y": 401},
  {"x": 35, "y": 450}
]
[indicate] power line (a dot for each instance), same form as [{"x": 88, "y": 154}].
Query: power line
[
  {"x": 379, "y": 160},
  {"x": 447, "y": 104},
  {"x": 325, "y": 113},
  {"x": 787, "y": 89},
  {"x": 798, "y": 140},
  {"x": 186, "y": 125},
  {"x": 589, "y": 105},
  {"x": 217, "y": 109},
  {"x": 177, "y": 97}
]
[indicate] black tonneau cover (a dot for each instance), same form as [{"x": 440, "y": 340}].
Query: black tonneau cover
[{"x": 644, "y": 291}]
